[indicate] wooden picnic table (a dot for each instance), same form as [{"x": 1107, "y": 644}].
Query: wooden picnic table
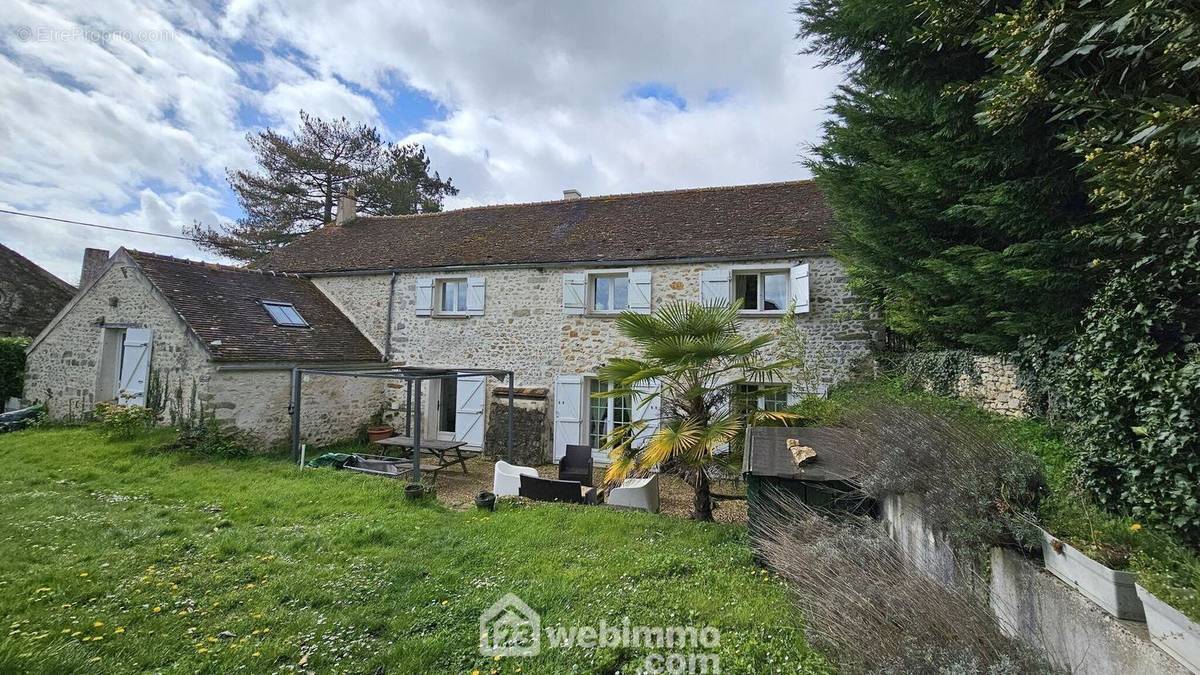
[{"x": 436, "y": 448}]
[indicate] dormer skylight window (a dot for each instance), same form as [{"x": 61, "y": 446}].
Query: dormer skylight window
[{"x": 284, "y": 314}]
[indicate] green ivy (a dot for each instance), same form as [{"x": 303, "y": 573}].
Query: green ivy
[
  {"x": 1133, "y": 390},
  {"x": 937, "y": 372},
  {"x": 12, "y": 367}
]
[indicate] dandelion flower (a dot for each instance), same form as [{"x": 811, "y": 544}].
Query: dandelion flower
[
  {"x": 98, "y": 624},
  {"x": 119, "y": 630},
  {"x": 156, "y": 610},
  {"x": 1135, "y": 527},
  {"x": 83, "y": 574}
]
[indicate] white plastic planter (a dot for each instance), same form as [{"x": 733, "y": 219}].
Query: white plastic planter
[
  {"x": 1114, "y": 591},
  {"x": 1173, "y": 632}
]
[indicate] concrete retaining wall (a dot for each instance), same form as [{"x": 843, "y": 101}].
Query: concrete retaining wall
[{"x": 1030, "y": 604}]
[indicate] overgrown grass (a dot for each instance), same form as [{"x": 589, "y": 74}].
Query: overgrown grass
[
  {"x": 115, "y": 557},
  {"x": 1166, "y": 567}
]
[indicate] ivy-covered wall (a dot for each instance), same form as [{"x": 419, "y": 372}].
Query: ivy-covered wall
[{"x": 992, "y": 382}]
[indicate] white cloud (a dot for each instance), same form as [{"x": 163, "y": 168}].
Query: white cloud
[{"x": 536, "y": 98}]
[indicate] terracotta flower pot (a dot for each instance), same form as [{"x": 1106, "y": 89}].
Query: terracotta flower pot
[{"x": 379, "y": 433}]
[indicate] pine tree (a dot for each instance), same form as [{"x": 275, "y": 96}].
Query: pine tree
[
  {"x": 300, "y": 177},
  {"x": 960, "y": 235}
]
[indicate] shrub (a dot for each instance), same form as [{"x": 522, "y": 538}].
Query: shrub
[
  {"x": 868, "y": 610},
  {"x": 977, "y": 486},
  {"x": 1133, "y": 390},
  {"x": 12, "y": 367},
  {"x": 204, "y": 434},
  {"x": 123, "y": 422}
]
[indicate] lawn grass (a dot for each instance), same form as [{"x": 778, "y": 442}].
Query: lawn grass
[{"x": 117, "y": 557}]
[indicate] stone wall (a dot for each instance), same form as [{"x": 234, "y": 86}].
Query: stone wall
[
  {"x": 257, "y": 402},
  {"x": 995, "y": 388},
  {"x": 531, "y": 428},
  {"x": 63, "y": 370}
]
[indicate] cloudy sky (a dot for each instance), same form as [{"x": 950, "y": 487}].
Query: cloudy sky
[{"x": 129, "y": 112}]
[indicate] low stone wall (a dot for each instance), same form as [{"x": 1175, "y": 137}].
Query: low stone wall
[
  {"x": 995, "y": 388},
  {"x": 1030, "y": 604}
]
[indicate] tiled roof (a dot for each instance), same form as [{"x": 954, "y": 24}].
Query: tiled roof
[
  {"x": 221, "y": 303},
  {"x": 747, "y": 221},
  {"x": 29, "y": 295}
]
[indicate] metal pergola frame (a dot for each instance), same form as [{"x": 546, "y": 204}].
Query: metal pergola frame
[{"x": 409, "y": 375}]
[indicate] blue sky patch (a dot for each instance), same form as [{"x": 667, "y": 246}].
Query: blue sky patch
[{"x": 658, "y": 91}]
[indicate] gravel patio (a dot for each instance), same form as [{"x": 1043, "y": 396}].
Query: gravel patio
[{"x": 458, "y": 491}]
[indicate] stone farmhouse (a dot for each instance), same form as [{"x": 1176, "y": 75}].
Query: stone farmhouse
[{"x": 531, "y": 288}]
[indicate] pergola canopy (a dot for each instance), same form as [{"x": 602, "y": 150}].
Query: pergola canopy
[{"x": 409, "y": 375}]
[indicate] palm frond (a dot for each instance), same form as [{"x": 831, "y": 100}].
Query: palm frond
[{"x": 677, "y": 437}]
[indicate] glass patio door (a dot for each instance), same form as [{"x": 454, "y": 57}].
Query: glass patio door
[{"x": 447, "y": 407}]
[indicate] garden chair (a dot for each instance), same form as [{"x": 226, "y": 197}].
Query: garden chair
[
  {"x": 635, "y": 493},
  {"x": 506, "y": 481},
  {"x": 577, "y": 464}
]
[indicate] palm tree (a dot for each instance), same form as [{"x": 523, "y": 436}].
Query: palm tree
[{"x": 696, "y": 365}]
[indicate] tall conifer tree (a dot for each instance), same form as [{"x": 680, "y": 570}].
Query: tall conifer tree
[{"x": 961, "y": 235}]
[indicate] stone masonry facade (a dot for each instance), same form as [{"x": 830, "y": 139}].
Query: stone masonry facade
[
  {"x": 524, "y": 329},
  {"x": 63, "y": 370}
]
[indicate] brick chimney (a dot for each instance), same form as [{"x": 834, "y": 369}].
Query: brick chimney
[
  {"x": 570, "y": 194},
  {"x": 94, "y": 260},
  {"x": 347, "y": 208}
]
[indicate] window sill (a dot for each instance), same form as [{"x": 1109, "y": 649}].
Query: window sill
[
  {"x": 603, "y": 315},
  {"x": 451, "y": 316},
  {"x": 762, "y": 313}
]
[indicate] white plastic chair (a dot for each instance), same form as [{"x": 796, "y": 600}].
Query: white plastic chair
[
  {"x": 507, "y": 480},
  {"x": 635, "y": 493}
]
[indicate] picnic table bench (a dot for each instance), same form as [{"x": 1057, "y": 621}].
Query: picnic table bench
[{"x": 444, "y": 453}]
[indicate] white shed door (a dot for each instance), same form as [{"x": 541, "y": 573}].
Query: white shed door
[
  {"x": 568, "y": 413},
  {"x": 468, "y": 410},
  {"x": 135, "y": 366}
]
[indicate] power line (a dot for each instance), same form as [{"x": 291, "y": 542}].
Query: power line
[{"x": 103, "y": 227}]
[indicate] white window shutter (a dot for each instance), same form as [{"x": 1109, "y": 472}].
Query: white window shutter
[
  {"x": 475, "y": 296},
  {"x": 135, "y": 366},
  {"x": 574, "y": 292},
  {"x": 424, "y": 304},
  {"x": 647, "y": 409},
  {"x": 639, "y": 292},
  {"x": 468, "y": 411},
  {"x": 568, "y": 413},
  {"x": 715, "y": 286},
  {"x": 800, "y": 288}
]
